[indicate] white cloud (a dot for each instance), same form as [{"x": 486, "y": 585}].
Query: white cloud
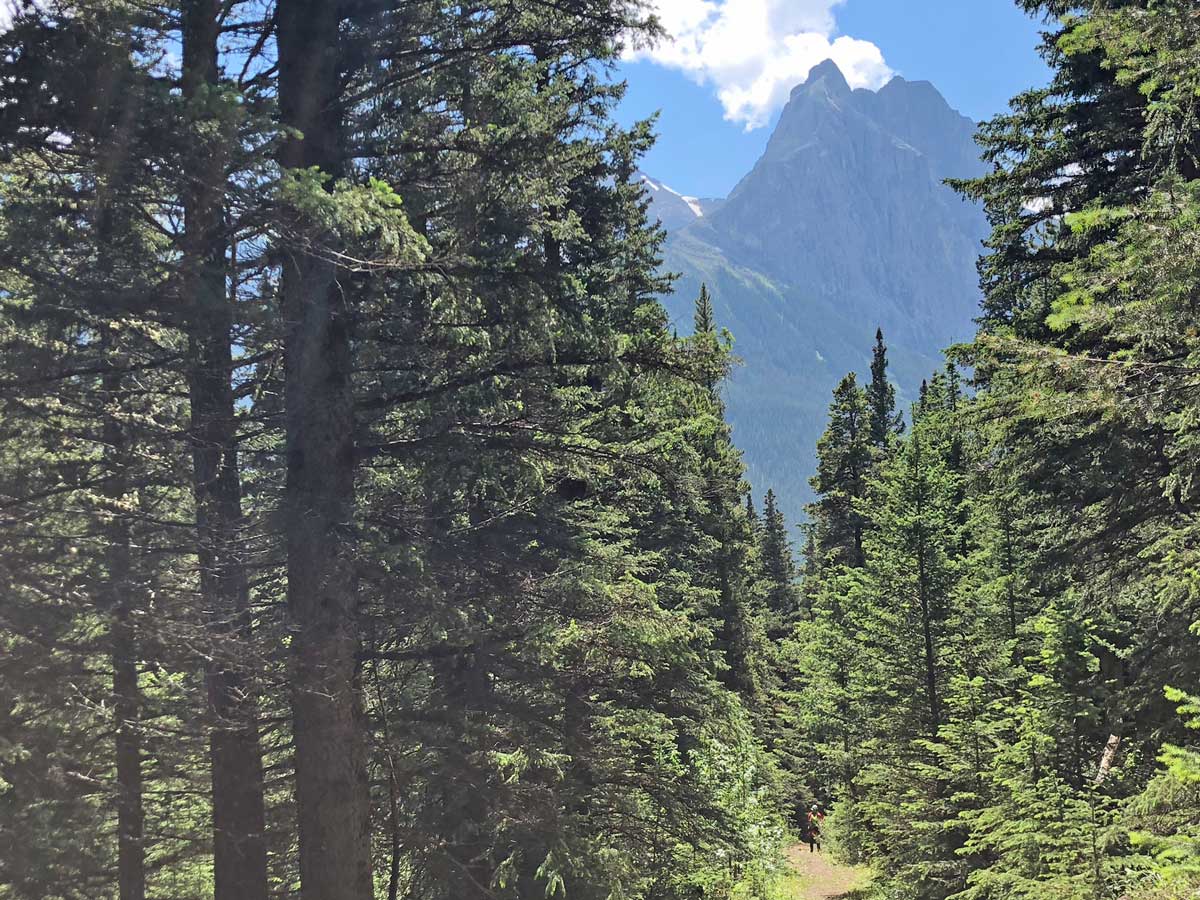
[
  {"x": 753, "y": 52},
  {"x": 10, "y": 9}
]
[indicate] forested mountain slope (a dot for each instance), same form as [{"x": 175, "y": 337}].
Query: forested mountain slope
[{"x": 843, "y": 225}]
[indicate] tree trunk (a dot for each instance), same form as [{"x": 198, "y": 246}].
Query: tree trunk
[
  {"x": 1107, "y": 758},
  {"x": 131, "y": 819},
  {"x": 119, "y": 587},
  {"x": 331, "y": 775},
  {"x": 239, "y": 844},
  {"x": 394, "y": 837}
]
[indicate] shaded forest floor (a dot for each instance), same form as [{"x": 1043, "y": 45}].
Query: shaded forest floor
[{"x": 817, "y": 877}]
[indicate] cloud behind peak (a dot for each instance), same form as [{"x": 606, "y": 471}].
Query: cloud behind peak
[{"x": 752, "y": 52}]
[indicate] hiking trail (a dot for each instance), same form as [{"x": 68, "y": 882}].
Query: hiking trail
[{"x": 820, "y": 878}]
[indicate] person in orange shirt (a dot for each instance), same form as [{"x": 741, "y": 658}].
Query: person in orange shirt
[{"x": 812, "y": 828}]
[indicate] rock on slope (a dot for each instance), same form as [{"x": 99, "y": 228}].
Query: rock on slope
[{"x": 843, "y": 225}]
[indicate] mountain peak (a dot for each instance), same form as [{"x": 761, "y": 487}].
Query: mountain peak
[
  {"x": 826, "y": 73},
  {"x": 844, "y": 224},
  {"x": 899, "y": 86}
]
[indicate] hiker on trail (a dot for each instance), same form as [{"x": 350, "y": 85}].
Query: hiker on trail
[{"x": 812, "y": 828}]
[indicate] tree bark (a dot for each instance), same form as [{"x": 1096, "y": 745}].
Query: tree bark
[
  {"x": 331, "y": 775},
  {"x": 1107, "y": 758},
  {"x": 126, "y": 705},
  {"x": 131, "y": 819},
  {"x": 238, "y": 808}
]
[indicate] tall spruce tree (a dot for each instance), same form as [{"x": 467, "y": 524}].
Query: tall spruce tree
[
  {"x": 333, "y": 815},
  {"x": 351, "y": 309},
  {"x": 778, "y": 567},
  {"x": 844, "y": 461},
  {"x": 728, "y": 524},
  {"x": 704, "y": 320},
  {"x": 885, "y": 421},
  {"x": 829, "y": 650},
  {"x": 208, "y": 292}
]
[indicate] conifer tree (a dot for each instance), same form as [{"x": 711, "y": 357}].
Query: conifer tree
[
  {"x": 810, "y": 573},
  {"x": 239, "y": 817},
  {"x": 704, "y": 320},
  {"x": 844, "y": 461},
  {"x": 1070, "y": 144},
  {"x": 1062, "y": 290},
  {"x": 724, "y": 522},
  {"x": 778, "y": 567},
  {"x": 829, "y": 650},
  {"x": 1165, "y": 813},
  {"x": 85, "y": 335},
  {"x": 881, "y": 398},
  {"x": 928, "y": 642}
]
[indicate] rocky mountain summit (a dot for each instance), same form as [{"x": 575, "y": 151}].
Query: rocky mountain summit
[{"x": 843, "y": 225}]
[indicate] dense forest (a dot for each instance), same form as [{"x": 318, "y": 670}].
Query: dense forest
[{"x": 368, "y": 531}]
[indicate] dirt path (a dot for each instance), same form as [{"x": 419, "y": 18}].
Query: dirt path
[{"x": 819, "y": 878}]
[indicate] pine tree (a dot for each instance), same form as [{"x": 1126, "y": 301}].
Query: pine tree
[
  {"x": 1043, "y": 825},
  {"x": 319, "y": 407},
  {"x": 1069, "y": 144},
  {"x": 1091, "y": 456},
  {"x": 778, "y": 567},
  {"x": 912, "y": 568},
  {"x": 751, "y": 513},
  {"x": 87, "y": 380},
  {"x": 723, "y": 473},
  {"x": 410, "y": 379},
  {"x": 844, "y": 461},
  {"x": 881, "y": 399},
  {"x": 704, "y": 319},
  {"x": 600, "y": 522},
  {"x": 810, "y": 573},
  {"x": 829, "y": 651},
  {"x": 239, "y": 816}
]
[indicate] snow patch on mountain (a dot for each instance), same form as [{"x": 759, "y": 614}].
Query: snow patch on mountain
[{"x": 693, "y": 203}]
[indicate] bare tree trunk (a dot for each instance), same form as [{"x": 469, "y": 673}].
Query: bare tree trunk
[
  {"x": 331, "y": 774},
  {"x": 1112, "y": 670},
  {"x": 239, "y": 845},
  {"x": 1107, "y": 758}
]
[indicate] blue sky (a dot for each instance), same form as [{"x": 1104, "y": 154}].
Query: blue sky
[{"x": 721, "y": 83}]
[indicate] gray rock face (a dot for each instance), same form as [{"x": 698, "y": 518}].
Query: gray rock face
[{"x": 843, "y": 225}]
